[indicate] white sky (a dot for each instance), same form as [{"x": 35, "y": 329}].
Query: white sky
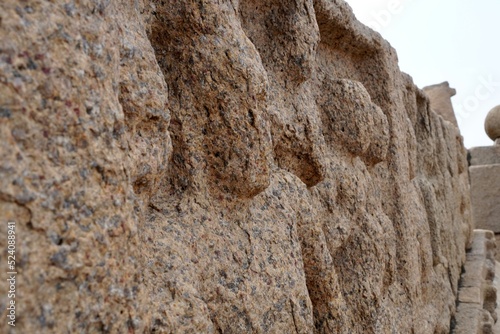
[{"x": 443, "y": 40}]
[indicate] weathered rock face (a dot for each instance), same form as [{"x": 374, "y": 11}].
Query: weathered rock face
[{"x": 215, "y": 166}]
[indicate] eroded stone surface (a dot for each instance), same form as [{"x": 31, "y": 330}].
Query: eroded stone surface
[{"x": 216, "y": 166}]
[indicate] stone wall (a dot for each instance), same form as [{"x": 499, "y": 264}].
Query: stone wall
[
  {"x": 216, "y": 166},
  {"x": 484, "y": 172}
]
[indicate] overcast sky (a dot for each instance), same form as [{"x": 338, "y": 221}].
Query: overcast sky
[{"x": 456, "y": 41}]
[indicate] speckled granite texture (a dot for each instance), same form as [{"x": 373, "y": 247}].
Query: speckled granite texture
[{"x": 222, "y": 167}]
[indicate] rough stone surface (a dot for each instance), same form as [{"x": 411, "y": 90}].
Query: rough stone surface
[
  {"x": 222, "y": 167},
  {"x": 440, "y": 99},
  {"x": 485, "y": 194},
  {"x": 492, "y": 123}
]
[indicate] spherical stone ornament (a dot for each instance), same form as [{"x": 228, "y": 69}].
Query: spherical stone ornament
[{"x": 492, "y": 123}]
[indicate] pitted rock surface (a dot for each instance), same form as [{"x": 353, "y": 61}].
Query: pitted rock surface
[{"x": 223, "y": 167}]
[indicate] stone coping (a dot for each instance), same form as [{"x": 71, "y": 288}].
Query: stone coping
[{"x": 477, "y": 295}]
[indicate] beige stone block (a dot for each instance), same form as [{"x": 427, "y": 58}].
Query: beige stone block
[
  {"x": 484, "y": 155},
  {"x": 467, "y": 318},
  {"x": 475, "y": 270},
  {"x": 485, "y": 193},
  {"x": 483, "y": 244},
  {"x": 470, "y": 295}
]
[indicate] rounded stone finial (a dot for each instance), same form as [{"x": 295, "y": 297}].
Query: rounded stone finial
[{"x": 492, "y": 123}]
